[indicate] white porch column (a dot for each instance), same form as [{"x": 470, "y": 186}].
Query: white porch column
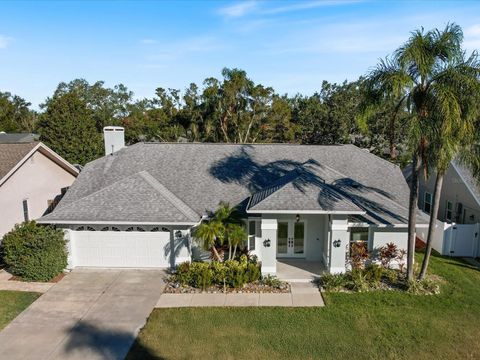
[
  {"x": 268, "y": 246},
  {"x": 338, "y": 243}
]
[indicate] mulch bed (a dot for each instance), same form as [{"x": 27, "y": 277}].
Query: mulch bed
[{"x": 251, "y": 288}]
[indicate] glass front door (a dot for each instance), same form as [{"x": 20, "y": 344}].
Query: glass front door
[{"x": 291, "y": 239}]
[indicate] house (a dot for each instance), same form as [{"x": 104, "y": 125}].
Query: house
[
  {"x": 459, "y": 199},
  {"x": 32, "y": 179},
  {"x": 458, "y": 225},
  {"x": 136, "y": 206}
]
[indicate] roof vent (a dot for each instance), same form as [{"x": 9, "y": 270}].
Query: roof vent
[{"x": 114, "y": 138}]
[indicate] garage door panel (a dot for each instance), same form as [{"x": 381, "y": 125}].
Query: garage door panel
[{"x": 120, "y": 249}]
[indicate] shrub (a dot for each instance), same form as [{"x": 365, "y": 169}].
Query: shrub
[
  {"x": 34, "y": 252},
  {"x": 236, "y": 273},
  {"x": 331, "y": 282},
  {"x": 358, "y": 255},
  {"x": 391, "y": 276},
  {"x": 387, "y": 254},
  {"x": 359, "y": 280},
  {"x": 374, "y": 274},
  {"x": 422, "y": 287},
  {"x": 219, "y": 272},
  {"x": 183, "y": 274},
  {"x": 271, "y": 280},
  {"x": 253, "y": 272},
  {"x": 202, "y": 275}
]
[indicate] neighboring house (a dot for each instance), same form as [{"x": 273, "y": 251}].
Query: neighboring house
[
  {"x": 136, "y": 206},
  {"x": 12, "y": 138},
  {"x": 457, "y": 227},
  {"x": 459, "y": 199},
  {"x": 32, "y": 179}
]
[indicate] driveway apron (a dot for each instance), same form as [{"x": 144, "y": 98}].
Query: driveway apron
[{"x": 90, "y": 314}]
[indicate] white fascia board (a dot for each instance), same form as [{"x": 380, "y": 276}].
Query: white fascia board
[
  {"x": 353, "y": 225},
  {"x": 59, "y": 158},
  {"x": 305, "y": 212},
  {"x": 76, "y": 222}
]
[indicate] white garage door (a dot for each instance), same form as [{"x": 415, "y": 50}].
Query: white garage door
[{"x": 120, "y": 249}]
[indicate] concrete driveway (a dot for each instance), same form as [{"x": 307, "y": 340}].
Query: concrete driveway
[{"x": 90, "y": 314}]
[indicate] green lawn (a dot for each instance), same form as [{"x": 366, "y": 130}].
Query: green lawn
[
  {"x": 13, "y": 303},
  {"x": 353, "y": 326}
]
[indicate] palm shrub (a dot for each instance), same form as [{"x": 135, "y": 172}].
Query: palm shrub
[{"x": 35, "y": 252}]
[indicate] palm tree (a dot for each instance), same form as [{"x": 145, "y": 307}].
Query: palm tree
[
  {"x": 233, "y": 226},
  {"x": 210, "y": 233},
  {"x": 415, "y": 74},
  {"x": 236, "y": 234},
  {"x": 455, "y": 131}
]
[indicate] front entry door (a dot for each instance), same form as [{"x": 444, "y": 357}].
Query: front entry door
[{"x": 291, "y": 238}]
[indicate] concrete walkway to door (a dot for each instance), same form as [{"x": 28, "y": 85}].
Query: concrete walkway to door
[{"x": 90, "y": 314}]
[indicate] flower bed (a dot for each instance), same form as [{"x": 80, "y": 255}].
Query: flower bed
[
  {"x": 382, "y": 270},
  {"x": 240, "y": 276}
]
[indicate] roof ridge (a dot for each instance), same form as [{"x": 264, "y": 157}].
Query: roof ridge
[{"x": 170, "y": 196}]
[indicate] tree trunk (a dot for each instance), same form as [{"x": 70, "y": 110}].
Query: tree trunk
[
  {"x": 412, "y": 215},
  {"x": 234, "y": 251},
  {"x": 215, "y": 252},
  {"x": 431, "y": 226},
  {"x": 391, "y": 138},
  {"x": 230, "y": 252}
]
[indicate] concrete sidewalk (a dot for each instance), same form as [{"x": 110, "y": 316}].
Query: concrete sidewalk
[
  {"x": 13, "y": 285},
  {"x": 302, "y": 295}
]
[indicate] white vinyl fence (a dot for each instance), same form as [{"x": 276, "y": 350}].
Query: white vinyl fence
[{"x": 460, "y": 240}]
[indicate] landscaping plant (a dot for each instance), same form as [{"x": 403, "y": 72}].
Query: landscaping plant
[{"x": 34, "y": 252}]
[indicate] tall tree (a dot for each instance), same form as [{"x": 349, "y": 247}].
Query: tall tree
[
  {"x": 454, "y": 127},
  {"x": 15, "y": 114},
  {"x": 411, "y": 75},
  {"x": 68, "y": 127}
]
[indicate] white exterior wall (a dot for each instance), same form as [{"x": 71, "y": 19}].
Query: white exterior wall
[
  {"x": 38, "y": 180},
  {"x": 380, "y": 236}
]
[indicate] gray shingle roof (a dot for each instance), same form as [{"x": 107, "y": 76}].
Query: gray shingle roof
[
  {"x": 11, "y": 154},
  {"x": 469, "y": 179},
  {"x": 202, "y": 175},
  {"x": 18, "y": 138},
  {"x": 307, "y": 187}
]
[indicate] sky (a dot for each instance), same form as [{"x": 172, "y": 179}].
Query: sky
[{"x": 291, "y": 46}]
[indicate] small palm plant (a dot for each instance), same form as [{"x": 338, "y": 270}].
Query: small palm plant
[
  {"x": 210, "y": 234},
  {"x": 226, "y": 225}
]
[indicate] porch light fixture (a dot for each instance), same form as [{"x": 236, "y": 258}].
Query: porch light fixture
[
  {"x": 178, "y": 234},
  {"x": 266, "y": 242},
  {"x": 297, "y": 217},
  {"x": 337, "y": 243}
]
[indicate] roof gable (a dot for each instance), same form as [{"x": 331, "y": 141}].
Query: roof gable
[{"x": 12, "y": 154}]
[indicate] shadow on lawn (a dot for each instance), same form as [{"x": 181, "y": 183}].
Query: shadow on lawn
[{"x": 107, "y": 343}]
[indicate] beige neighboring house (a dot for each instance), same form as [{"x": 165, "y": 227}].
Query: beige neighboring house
[{"x": 33, "y": 178}]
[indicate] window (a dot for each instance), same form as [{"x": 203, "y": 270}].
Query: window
[
  {"x": 358, "y": 236},
  {"x": 25, "y": 210},
  {"x": 130, "y": 228},
  {"x": 104, "y": 228},
  {"x": 80, "y": 228},
  {"x": 427, "y": 203},
  {"x": 449, "y": 211},
  {"x": 89, "y": 228},
  {"x": 115, "y": 228},
  {"x": 252, "y": 230},
  {"x": 140, "y": 229}
]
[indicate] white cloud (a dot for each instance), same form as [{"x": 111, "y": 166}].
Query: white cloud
[
  {"x": 4, "y": 41},
  {"x": 472, "y": 37},
  {"x": 308, "y": 5},
  {"x": 238, "y": 9}
]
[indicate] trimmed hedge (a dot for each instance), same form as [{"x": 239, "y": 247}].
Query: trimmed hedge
[{"x": 34, "y": 252}]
